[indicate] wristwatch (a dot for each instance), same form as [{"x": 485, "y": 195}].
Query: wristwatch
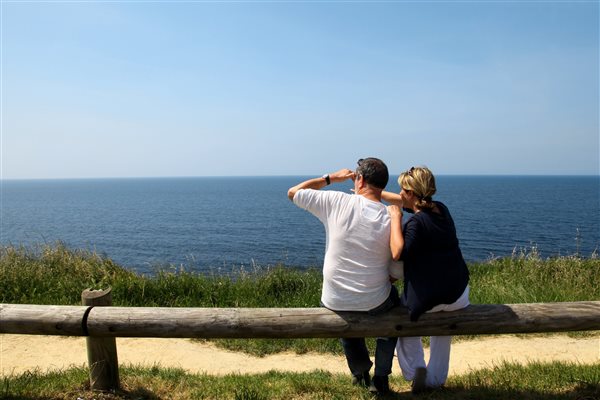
[{"x": 327, "y": 180}]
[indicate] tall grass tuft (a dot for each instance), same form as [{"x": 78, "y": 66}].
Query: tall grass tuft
[
  {"x": 54, "y": 274},
  {"x": 527, "y": 278}
]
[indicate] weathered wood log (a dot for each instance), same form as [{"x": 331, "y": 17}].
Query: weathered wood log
[
  {"x": 42, "y": 320},
  {"x": 323, "y": 323},
  {"x": 101, "y": 351}
]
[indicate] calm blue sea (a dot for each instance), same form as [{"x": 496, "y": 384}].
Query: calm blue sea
[{"x": 216, "y": 224}]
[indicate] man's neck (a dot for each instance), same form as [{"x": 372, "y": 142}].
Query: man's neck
[{"x": 371, "y": 194}]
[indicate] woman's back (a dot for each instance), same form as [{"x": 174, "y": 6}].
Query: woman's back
[{"x": 434, "y": 269}]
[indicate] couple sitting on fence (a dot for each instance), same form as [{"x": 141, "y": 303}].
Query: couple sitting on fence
[{"x": 364, "y": 237}]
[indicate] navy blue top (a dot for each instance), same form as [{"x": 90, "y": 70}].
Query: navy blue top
[{"x": 434, "y": 269}]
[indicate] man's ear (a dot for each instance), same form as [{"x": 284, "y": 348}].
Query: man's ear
[{"x": 361, "y": 181}]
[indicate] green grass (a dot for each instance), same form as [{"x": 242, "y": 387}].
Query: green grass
[
  {"x": 547, "y": 381},
  {"x": 54, "y": 274},
  {"x": 527, "y": 278}
]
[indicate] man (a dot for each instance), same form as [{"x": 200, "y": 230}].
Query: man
[{"x": 357, "y": 257}]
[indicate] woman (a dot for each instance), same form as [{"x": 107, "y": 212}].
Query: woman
[{"x": 435, "y": 274}]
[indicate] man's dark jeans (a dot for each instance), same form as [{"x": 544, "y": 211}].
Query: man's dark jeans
[{"x": 356, "y": 350}]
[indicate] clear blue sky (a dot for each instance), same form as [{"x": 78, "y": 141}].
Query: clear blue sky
[{"x": 136, "y": 89}]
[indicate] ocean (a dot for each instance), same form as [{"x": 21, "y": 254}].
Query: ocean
[{"x": 216, "y": 224}]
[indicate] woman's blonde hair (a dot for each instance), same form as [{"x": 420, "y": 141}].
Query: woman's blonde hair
[{"x": 421, "y": 182}]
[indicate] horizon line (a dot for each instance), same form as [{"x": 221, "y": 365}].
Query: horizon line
[{"x": 283, "y": 176}]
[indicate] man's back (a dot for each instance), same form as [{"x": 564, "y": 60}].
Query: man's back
[{"x": 355, "y": 269}]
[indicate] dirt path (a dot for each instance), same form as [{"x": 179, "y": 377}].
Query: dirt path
[{"x": 20, "y": 353}]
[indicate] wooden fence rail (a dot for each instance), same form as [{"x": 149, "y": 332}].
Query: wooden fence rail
[
  {"x": 293, "y": 322},
  {"x": 100, "y": 323}
]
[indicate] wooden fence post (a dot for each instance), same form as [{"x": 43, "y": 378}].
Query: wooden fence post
[{"x": 101, "y": 351}]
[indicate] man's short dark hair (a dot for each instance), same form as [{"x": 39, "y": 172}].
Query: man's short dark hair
[{"x": 374, "y": 172}]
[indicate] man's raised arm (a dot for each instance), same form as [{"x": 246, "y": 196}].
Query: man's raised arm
[{"x": 319, "y": 183}]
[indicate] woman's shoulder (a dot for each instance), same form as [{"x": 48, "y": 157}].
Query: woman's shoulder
[
  {"x": 444, "y": 215},
  {"x": 435, "y": 215},
  {"x": 440, "y": 204}
]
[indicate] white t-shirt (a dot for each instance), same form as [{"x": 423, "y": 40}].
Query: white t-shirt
[{"x": 357, "y": 253}]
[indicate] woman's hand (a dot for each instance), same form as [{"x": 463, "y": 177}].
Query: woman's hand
[{"x": 394, "y": 211}]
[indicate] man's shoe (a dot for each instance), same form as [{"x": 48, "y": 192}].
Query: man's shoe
[
  {"x": 363, "y": 379},
  {"x": 379, "y": 385},
  {"x": 418, "y": 384}
]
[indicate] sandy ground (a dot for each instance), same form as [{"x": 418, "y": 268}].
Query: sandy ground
[{"x": 20, "y": 353}]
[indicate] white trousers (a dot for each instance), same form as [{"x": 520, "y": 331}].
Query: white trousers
[{"x": 410, "y": 350}]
